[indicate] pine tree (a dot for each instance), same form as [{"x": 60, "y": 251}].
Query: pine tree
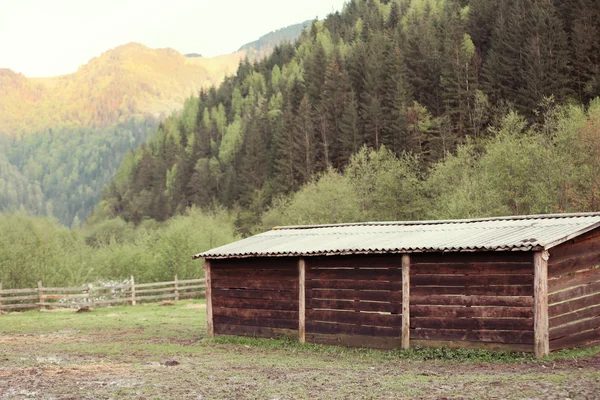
[
  {"x": 545, "y": 57},
  {"x": 394, "y": 100}
]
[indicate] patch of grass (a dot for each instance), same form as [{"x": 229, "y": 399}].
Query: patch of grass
[{"x": 414, "y": 354}]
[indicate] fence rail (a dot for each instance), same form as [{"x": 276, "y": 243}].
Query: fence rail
[{"x": 94, "y": 296}]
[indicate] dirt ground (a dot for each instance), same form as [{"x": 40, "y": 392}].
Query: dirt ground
[{"x": 124, "y": 353}]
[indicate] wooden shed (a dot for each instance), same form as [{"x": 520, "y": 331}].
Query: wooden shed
[{"x": 524, "y": 283}]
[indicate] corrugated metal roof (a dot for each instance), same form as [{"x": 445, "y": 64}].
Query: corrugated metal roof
[{"x": 517, "y": 233}]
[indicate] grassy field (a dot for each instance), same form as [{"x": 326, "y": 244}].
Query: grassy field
[{"x": 122, "y": 352}]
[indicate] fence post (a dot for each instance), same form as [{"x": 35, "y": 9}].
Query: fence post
[
  {"x": 405, "y": 338},
  {"x": 176, "y": 289},
  {"x": 41, "y": 295},
  {"x": 132, "y": 291},
  {"x": 0, "y": 298},
  {"x": 87, "y": 294}
]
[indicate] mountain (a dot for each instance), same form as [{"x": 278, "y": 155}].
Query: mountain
[
  {"x": 62, "y": 138},
  {"x": 266, "y": 43},
  {"x": 129, "y": 80},
  {"x": 425, "y": 79}
]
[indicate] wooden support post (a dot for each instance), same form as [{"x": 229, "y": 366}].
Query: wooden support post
[
  {"x": 176, "y": 289},
  {"x": 541, "y": 341},
  {"x": 302, "y": 300},
  {"x": 210, "y": 327},
  {"x": 405, "y": 340},
  {"x": 132, "y": 291},
  {"x": 41, "y": 295}
]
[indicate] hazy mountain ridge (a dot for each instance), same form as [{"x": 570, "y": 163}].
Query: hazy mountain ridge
[
  {"x": 267, "y": 43},
  {"x": 129, "y": 80}
]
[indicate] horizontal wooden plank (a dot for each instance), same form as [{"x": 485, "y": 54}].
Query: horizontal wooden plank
[
  {"x": 156, "y": 297},
  {"x": 350, "y": 317},
  {"x": 17, "y": 306},
  {"x": 573, "y": 293},
  {"x": 113, "y": 301},
  {"x": 389, "y": 274},
  {"x": 349, "y": 294},
  {"x": 218, "y": 301},
  {"x": 199, "y": 293},
  {"x": 522, "y": 337},
  {"x": 15, "y": 291},
  {"x": 65, "y": 289},
  {"x": 354, "y": 340},
  {"x": 19, "y": 298},
  {"x": 255, "y": 294},
  {"x": 337, "y": 328},
  {"x": 255, "y": 331},
  {"x": 576, "y": 327},
  {"x": 464, "y": 312},
  {"x": 262, "y": 322},
  {"x": 251, "y": 264},
  {"x": 496, "y": 257},
  {"x": 473, "y": 268},
  {"x": 192, "y": 287},
  {"x": 188, "y": 281},
  {"x": 159, "y": 290},
  {"x": 353, "y": 284},
  {"x": 580, "y": 278},
  {"x": 152, "y": 284},
  {"x": 459, "y": 344},
  {"x": 354, "y": 305},
  {"x": 289, "y": 285},
  {"x": 524, "y": 290},
  {"x": 568, "y": 251},
  {"x": 65, "y": 296},
  {"x": 508, "y": 324},
  {"x": 472, "y": 300},
  {"x": 573, "y": 305},
  {"x": 581, "y": 339},
  {"x": 271, "y": 273},
  {"x": 370, "y": 261},
  {"x": 574, "y": 316},
  {"x": 469, "y": 280},
  {"x": 255, "y": 313},
  {"x": 572, "y": 265},
  {"x": 109, "y": 288}
]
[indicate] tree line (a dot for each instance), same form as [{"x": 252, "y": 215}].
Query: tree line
[{"x": 421, "y": 78}]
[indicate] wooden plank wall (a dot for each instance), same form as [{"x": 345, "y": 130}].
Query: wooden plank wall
[
  {"x": 255, "y": 297},
  {"x": 574, "y": 292},
  {"x": 472, "y": 300},
  {"x": 355, "y": 301}
]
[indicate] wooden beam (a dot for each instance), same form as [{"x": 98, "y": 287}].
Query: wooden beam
[
  {"x": 302, "y": 300},
  {"x": 210, "y": 327},
  {"x": 541, "y": 342},
  {"x": 405, "y": 301}
]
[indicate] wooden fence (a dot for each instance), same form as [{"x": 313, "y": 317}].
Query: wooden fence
[{"x": 94, "y": 296}]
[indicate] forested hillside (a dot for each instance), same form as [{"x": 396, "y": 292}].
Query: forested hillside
[
  {"x": 61, "y": 172},
  {"x": 451, "y": 89},
  {"x": 63, "y": 138},
  {"x": 265, "y": 44}
]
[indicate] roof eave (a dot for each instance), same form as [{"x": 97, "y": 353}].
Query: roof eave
[
  {"x": 573, "y": 235},
  {"x": 365, "y": 252}
]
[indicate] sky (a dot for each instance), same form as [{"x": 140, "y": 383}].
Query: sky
[{"x": 41, "y": 38}]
